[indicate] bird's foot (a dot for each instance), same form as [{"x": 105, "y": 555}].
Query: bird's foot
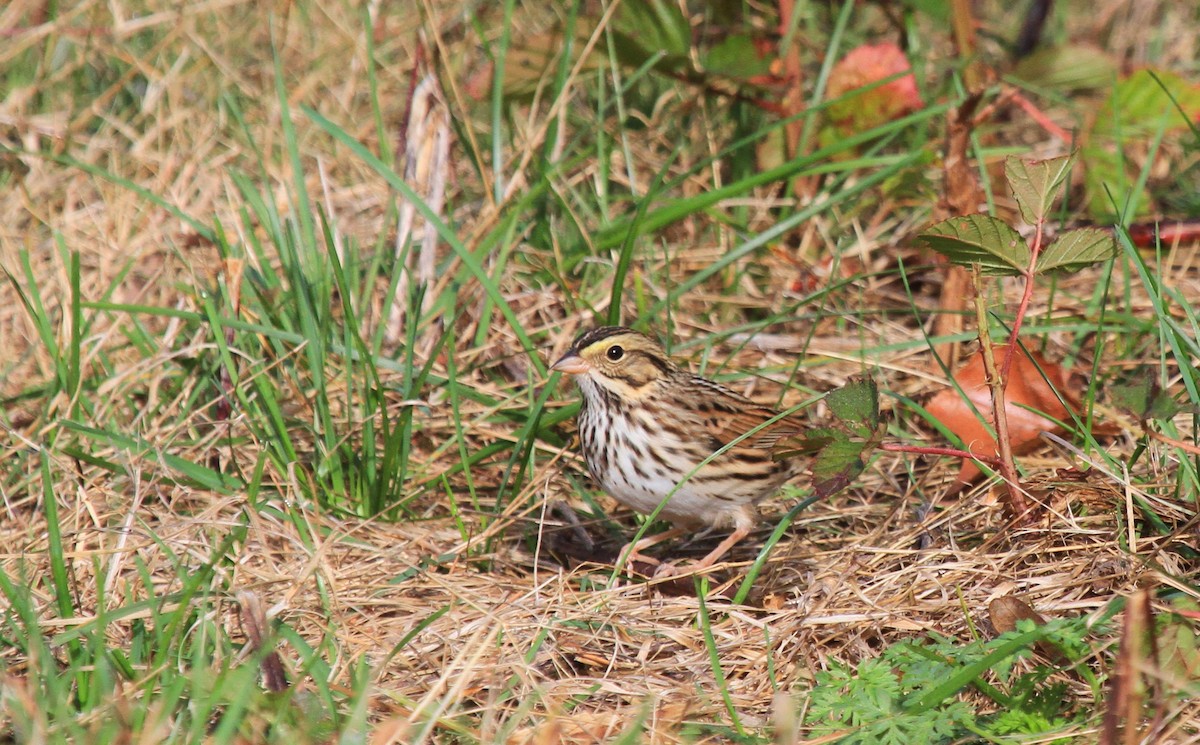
[{"x": 632, "y": 562}]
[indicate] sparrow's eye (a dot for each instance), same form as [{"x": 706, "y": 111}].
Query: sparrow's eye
[{"x": 615, "y": 352}]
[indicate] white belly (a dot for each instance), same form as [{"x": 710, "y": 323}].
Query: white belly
[{"x": 641, "y": 475}]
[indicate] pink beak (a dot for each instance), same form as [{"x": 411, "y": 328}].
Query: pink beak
[{"x": 572, "y": 364}]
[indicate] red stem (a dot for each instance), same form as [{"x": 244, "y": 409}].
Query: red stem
[
  {"x": 1026, "y": 296},
  {"x": 947, "y": 452}
]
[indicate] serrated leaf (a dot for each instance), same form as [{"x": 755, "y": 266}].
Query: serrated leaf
[
  {"x": 840, "y": 449},
  {"x": 1163, "y": 406},
  {"x": 1076, "y": 249},
  {"x": 1132, "y": 397},
  {"x": 982, "y": 240},
  {"x": 1036, "y": 184},
  {"x": 856, "y": 404},
  {"x": 837, "y": 464}
]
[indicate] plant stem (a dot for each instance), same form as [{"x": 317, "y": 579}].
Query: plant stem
[
  {"x": 1187, "y": 447},
  {"x": 896, "y": 447},
  {"x": 997, "y": 381},
  {"x": 1026, "y": 295}
]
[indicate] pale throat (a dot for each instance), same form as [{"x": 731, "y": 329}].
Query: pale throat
[{"x": 593, "y": 384}]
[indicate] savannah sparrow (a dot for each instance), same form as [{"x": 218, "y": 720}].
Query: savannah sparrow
[{"x": 645, "y": 425}]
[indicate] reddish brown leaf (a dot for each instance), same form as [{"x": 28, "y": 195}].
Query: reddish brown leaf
[
  {"x": 863, "y": 66},
  {"x": 1004, "y": 612},
  {"x": 1026, "y": 388}
]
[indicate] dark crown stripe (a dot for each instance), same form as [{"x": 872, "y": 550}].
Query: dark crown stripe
[{"x": 588, "y": 338}]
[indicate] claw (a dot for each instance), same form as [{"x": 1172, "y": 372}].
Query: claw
[{"x": 666, "y": 569}]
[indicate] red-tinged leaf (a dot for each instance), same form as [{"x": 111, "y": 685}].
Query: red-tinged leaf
[
  {"x": 863, "y": 66},
  {"x": 836, "y": 465},
  {"x": 843, "y": 447},
  {"x": 1147, "y": 235},
  {"x": 982, "y": 240}
]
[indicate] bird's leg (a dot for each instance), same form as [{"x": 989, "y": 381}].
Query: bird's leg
[
  {"x": 632, "y": 551},
  {"x": 668, "y": 570},
  {"x": 723, "y": 548}
]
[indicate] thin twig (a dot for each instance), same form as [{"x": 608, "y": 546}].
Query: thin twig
[{"x": 895, "y": 447}]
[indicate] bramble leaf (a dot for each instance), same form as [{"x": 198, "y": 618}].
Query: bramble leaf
[
  {"x": 857, "y": 404},
  {"x": 735, "y": 57},
  {"x": 1077, "y": 249},
  {"x": 836, "y": 466},
  {"x": 1037, "y": 184},
  {"x": 982, "y": 240},
  {"x": 843, "y": 447}
]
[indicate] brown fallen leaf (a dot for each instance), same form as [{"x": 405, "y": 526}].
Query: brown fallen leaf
[
  {"x": 1004, "y": 612},
  {"x": 1032, "y": 386}
]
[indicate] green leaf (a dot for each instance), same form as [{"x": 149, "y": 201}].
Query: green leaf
[
  {"x": 1104, "y": 179},
  {"x": 856, "y": 404},
  {"x": 644, "y": 29},
  {"x": 1144, "y": 399},
  {"x": 982, "y": 240},
  {"x": 837, "y": 464},
  {"x": 1037, "y": 184},
  {"x": 1139, "y": 102},
  {"x": 1141, "y": 106},
  {"x": 1076, "y": 249},
  {"x": 735, "y": 57},
  {"x": 842, "y": 448},
  {"x": 1068, "y": 67}
]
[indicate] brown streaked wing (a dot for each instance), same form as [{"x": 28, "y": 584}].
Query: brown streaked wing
[{"x": 734, "y": 415}]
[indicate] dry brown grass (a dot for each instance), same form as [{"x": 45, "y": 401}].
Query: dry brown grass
[{"x": 532, "y": 648}]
